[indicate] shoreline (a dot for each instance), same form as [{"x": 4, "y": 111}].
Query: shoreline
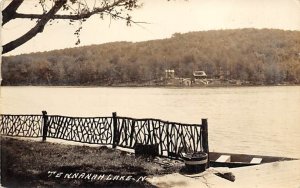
[
  {"x": 24, "y": 172},
  {"x": 153, "y": 86}
]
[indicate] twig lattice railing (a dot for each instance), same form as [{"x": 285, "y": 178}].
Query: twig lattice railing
[
  {"x": 94, "y": 130},
  {"x": 171, "y": 137},
  {"x": 21, "y": 125}
]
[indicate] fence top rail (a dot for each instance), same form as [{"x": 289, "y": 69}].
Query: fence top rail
[
  {"x": 78, "y": 116},
  {"x": 163, "y": 121},
  {"x": 21, "y": 115},
  {"x": 119, "y": 117}
]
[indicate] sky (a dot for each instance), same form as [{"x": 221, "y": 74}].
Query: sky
[{"x": 164, "y": 17}]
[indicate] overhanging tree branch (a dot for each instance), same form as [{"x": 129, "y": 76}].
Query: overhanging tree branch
[
  {"x": 115, "y": 8},
  {"x": 39, "y": 27}
]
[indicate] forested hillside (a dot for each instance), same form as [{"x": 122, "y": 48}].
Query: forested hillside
[{"x": 258, "y": 56}]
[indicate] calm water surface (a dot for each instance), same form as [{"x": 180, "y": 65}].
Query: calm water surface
[{"x": 253, "y": 120}]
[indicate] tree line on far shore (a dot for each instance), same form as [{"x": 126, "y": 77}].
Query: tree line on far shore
[{"x": 265, "y": 56}]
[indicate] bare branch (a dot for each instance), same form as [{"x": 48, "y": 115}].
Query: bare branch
[
  {"x": 85, "y": 15},
  {"x": 125, "y": 18},
  {"x": 74, "y": 17}
]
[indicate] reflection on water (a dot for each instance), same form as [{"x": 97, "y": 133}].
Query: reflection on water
[{"x": 256, "y": 120}]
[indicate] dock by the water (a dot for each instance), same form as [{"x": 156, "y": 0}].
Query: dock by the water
[{"x": 269, "y": 175}]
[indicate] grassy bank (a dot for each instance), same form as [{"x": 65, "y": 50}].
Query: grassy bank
[{"x": 42, "y": 164}]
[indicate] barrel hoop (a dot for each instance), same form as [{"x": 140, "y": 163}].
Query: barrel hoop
[{"x": 196, "y": 162}]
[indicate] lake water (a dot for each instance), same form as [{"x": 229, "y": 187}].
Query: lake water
[{"x": 251, "y": 120}]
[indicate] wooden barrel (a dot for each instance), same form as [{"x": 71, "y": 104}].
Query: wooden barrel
[{"x": 195, "y": 162}]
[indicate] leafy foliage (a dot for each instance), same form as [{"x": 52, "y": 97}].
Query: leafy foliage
[{"x": 258, "y": 56}]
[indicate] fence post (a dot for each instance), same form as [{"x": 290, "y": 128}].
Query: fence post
[
  {"x": 115, "y": 132},
  {"x": 45, "y": 125},
  {"x": 205, "y": 138},
  {"x": 168, "y": 139},
  {"x": 132, "y": 132}
]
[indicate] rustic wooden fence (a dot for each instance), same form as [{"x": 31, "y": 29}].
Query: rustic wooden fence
[{"x": 171, "y": 138}]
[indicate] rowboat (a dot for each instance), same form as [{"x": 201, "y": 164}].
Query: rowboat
[{"x": 239, "y": 160}]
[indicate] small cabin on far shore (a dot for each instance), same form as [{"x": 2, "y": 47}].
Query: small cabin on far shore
[{"x": 199, "y": 75}]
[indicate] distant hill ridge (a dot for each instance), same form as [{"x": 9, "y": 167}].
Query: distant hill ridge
[{"x": 259, "y": 56}]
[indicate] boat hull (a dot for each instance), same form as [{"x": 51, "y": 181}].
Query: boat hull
[{"x": 239, "y": 160}]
